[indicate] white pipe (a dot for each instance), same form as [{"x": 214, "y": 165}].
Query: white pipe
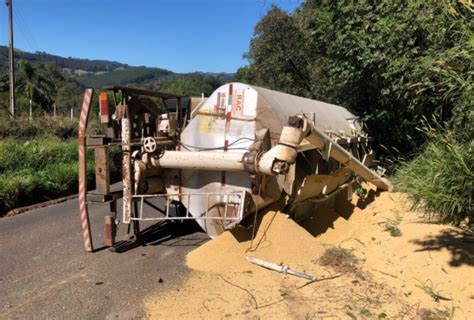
[{"x": 194, "y": 160}]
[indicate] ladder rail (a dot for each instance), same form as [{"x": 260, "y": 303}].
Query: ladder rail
[{"x": 235, "y": 199}]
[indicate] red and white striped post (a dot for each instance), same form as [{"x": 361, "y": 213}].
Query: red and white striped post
[
  {"x": 86, "y": 229},
  {"x": 228, "y": 116}
]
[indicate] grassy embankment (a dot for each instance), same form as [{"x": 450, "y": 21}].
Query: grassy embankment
[
  {"x": 440, "y": 178},
  {"x": 38, "y": 161}
]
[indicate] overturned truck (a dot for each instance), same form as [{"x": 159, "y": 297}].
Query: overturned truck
[{"x": 221, "y": 159}]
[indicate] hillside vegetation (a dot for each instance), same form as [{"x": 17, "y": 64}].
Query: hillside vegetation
[
  {"x": 122, "y": 76},
  {"x": 39, "y": 156},
  {"x": 49, "y": 80},
  {"x": 62, "y": 62},
  {"x": 396, "y": 64},
  {"x": 39, "y": 161}
]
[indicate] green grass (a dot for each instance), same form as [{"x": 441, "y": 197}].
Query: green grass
[
  {"x": 39, "y": 169},
  {"x": 36, "y": 153},
  {"x": 440, "y": 179},
  {"x": 430, "y": 289},
  {"x": 392, "y": 225},
  {"x": 63, "y": 128},
  {"x": 393, "y": 229},
  {"x": 23, "y": 129}
]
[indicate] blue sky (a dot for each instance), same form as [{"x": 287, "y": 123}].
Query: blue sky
[{"x": 180, "y": 35}]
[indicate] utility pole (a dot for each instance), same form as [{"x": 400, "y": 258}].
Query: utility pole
[{"x": 11, "y": 71}]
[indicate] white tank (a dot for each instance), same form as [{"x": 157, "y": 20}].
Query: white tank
[{"x": 228, "y": 122}]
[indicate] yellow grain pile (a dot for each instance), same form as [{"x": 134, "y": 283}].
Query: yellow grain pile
[
  {"x": 278, "y": 239},
  {"x": 394, "y": 278}
]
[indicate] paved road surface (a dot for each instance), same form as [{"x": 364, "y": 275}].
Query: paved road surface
[{"x": 45, "y": 272}]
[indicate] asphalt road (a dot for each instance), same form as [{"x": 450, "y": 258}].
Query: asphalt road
[{"x": 45, "y": 272}]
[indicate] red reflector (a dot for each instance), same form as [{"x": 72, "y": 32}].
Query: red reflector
[
  {"x": 104, "y": 107},
  {"x": 229, "y": 102}
]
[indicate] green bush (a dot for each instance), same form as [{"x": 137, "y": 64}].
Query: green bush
[
  {"x": 22, "y": 128},
  {"x": 440, "y": 179},
  {"x": 41, "y": 169},
  {"x": 391, "y": 62},
  {"x": 36, "y": 153},
  {"x": 27, "y": 186}
]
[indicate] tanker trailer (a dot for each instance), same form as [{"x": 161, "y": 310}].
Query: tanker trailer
[{"x": 237, "y": 152}]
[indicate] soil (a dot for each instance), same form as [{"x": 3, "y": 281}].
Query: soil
[{"x": 404, "y": 268}]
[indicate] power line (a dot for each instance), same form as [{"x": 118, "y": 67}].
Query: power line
[
  {"x": 19, "y": 26},
  {"x": 29, "y": 34}
]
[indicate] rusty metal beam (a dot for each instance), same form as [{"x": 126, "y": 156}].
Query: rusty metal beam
[
  {"x": 102, "y": 171},
  {"x": 97, "y": 141},
  {"x": 127, "y": 168},
  {"x": 110, "y": 231},
  {"x": 103, "y": 198}
]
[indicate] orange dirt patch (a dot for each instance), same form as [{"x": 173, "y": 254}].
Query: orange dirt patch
[{"x": 426, "y": 272}]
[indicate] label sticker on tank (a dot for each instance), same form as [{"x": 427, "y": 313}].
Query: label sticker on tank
[
  {"x": 206, "y": 121},
  {"x": 238, "y": 103}
]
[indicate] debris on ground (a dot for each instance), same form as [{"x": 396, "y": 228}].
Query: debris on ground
[
  {"x": 370, "y": 274},
  {"x": 280, "y": 268}
]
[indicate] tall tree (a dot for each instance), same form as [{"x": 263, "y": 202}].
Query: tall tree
[
  {"x": 36, "y": 85},
  {"x": 395, "y": 62},
  {"x": 278, "y": 56},
  {"x": 392, "y": 62}
]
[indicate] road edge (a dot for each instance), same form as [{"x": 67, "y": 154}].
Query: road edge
[{"x": 17, "y": 211}]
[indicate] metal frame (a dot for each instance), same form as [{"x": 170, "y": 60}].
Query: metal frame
[{"x": 227, "y": 201}]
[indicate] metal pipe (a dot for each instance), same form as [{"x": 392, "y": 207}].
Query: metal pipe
[
  {"x": 333, "y": 150},
  {"x": 11, "y": 61},
  {"x": 194, "y": 160}
]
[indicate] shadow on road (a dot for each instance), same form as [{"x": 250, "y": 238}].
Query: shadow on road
[{"x": 165, "y": 234}]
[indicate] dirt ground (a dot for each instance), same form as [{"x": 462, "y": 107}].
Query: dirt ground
[{"x": 394, "y": 266}]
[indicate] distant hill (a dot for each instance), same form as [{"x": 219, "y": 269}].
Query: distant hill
[
  {"x": 99, "y": 73},
  {"x": 65, "y": 63},
  {"x": 121, "y": 76}
]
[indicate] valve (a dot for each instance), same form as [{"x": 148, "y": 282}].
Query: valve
[{"x": 149, "y": 145}]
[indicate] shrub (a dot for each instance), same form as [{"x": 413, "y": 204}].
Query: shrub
[
  {"x": 41, "y": 169},
  {"x": 440, "y": 179},
  {"x": 22, "y": 128},
  {"x": 341, "y": 259},
  {"x": 393, "y": 229},
  {"x": 36, "y": 153},
  {"x": 63, "y": 128}
]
